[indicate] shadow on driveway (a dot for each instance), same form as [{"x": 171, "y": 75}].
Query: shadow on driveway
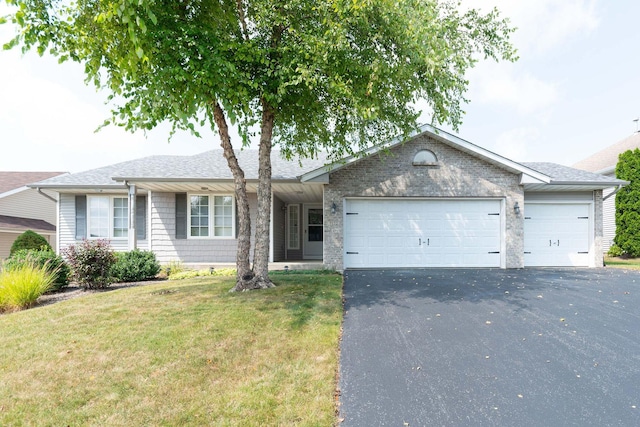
[{"x": 491, "y": 347}]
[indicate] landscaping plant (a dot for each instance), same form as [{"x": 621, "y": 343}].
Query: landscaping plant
[
  {"x": 22, "y": 285},
  {"x": 42, "y": 258},
  {"x": 135, "y": 265},
  {"x": 627, "y": 207},
  {"x": 29, "y": 240},
  {"x": 91, "y": 262}
]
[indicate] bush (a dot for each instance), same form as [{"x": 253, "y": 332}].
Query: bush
[
  {"x": 615, "y": 250},
  {"x": 135, "y": 266},
  {"x": 29, "y": 240},
  {"x": 627, "y": 207},
  {"x": 22, "y": 285},
  {"x": 42, "y": 258},
  {"x": 91, "y": 262}
]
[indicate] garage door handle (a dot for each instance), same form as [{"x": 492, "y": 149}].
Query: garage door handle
[
  {"x": 352, "y": 253},
  {"x": 496, "y": 252}
]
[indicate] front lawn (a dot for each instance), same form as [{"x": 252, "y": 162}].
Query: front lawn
[
  {"x": 620, "y": 262},
  {"x": 177, "y": 353}
]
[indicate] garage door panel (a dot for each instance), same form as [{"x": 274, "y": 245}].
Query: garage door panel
[
  {"x": 557, "y": 235},
  {"x": 422, "y": 233}
]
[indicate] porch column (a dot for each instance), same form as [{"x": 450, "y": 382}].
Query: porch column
[{"x": 132, "y": 235}]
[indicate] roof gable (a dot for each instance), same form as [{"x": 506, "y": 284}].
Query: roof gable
[{"x": 451, "y": 140}]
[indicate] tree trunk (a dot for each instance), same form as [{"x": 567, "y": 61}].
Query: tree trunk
[
  {"x": 263, "y": 220},
  {"x": 244, "y": 272}
]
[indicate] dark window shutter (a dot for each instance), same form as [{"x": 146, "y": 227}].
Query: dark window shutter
[
  {"x": 81, "y": 217},
  {"x": 181, "y": 215},
  {"x": 141, "y": 217}
]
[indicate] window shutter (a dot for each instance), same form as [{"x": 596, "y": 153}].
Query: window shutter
[
  {"x": 141, "y": 217},
  {"x": 181, "y": 215},
  {"x": 81, "y": 217}
]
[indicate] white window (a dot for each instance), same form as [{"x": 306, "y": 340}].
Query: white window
[
  {"x": 293, "y": 227},
  {"x": 108, "y": 217},
  {"x": 211, "y": 216}
]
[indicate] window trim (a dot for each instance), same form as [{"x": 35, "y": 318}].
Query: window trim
[
  {"x": 289, "y": 247},
  {"x": 211, "y": 212},
  {"x": 110, "y": 216}
]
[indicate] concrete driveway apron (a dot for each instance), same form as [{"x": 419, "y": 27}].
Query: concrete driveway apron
[{"x": 532, "y": 347}]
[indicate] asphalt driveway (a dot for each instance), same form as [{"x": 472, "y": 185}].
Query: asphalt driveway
[{"x": 469, "y": 347}]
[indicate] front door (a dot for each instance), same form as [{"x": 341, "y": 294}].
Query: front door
[{"x": 313, "y": 232}]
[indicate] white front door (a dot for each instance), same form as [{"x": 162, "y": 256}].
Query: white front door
[{"x": 313, "y": 232}]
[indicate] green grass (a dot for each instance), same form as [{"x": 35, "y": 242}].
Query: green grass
[
  {"x": 182, "y": 353},
  {"x": 620, "y": 262}
]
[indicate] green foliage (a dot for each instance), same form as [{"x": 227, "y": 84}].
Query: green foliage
[
  {"x": 628, "y": 204},
  {"x": 339, "y": 76},
  {"x": 615, "y": 251},
  {"x": 134, "y": 266},
  {"x": 42, "y": 258},
  {"x": 29, "y": 240},
  {"x": 22, "y": 285},
  {"x": 91, "y": 262},
  {"x": 173, "y": 267}
]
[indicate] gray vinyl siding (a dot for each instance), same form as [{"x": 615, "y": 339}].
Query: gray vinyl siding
[
  {"x": 547, "y": 196},
  {"x": 67, "y": 226},
  {"x": 6, "y": 240},
  {"x": 278, "y": 229},
  {"x": 608, "y": 220},
  {"x": 168, "y": 248},
  {"x": 29, "y": 204},
  {"x": 67, "y": 220}
]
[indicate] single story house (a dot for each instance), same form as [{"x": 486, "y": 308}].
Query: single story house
[
  {"x": 604, "y": 162},
  {"x": 23, "y": 208},
  {"x": 433, "y": 201}
]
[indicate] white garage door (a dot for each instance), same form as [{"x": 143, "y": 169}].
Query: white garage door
[
  {"x": 556, "y": 235},
  {"x": 422, "y": 233}
]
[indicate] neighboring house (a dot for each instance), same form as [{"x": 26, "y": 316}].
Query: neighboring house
[
  {"x": 23, "y": 208},
  {"x": 604, "y": 162},
  {"x": 434, "y": 201}
]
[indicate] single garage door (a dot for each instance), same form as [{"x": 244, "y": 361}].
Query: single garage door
[
  {"x": 422, "y": 233},
  {"x": 556, "y": 235}
]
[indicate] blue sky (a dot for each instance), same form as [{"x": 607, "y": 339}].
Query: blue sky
[{"x": 574, "y": 90}]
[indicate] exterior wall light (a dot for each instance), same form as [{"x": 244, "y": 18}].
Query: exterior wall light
[
  {"x": 334, "y": 207},
  {"x": 516, "y": 208}
]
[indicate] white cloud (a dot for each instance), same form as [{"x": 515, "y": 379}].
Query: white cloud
[
  {"x": 543, "y": 24},
  {"x": 500, "y": 84},
  {"x": 513, "y": 143}
]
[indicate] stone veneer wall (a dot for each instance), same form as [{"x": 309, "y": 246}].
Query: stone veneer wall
[
  {"x": 598, "y": 242},
  {"x": 458, "y": 174}
]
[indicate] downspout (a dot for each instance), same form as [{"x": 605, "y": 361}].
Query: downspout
[
  {"x": 53, "y": 199},
  {"x": 612, "y": 193}
]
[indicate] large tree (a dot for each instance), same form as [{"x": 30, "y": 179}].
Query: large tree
[{"x": 312, "y": 75}]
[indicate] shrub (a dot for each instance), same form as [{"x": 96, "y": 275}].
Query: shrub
[
  {"x": 615, "y": 250},
  {"x": 135, "y": 266},
  {"x": 22, "y": 285},
  {"x": 173, "y": 267},
  {"x": 91, "y": 262},
  {"x": 29, "y": 240},
  {"x": 188, "y": 274},
  {"x": 42, "y": 258},
  {"x": 627, "y": 207}
]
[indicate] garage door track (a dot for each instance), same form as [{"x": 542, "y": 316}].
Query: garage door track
[{"x": 533, "y": 347}]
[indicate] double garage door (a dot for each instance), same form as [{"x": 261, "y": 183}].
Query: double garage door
[
  {"x": 460, "y": 233},
  {"x": 422, "y": 233}
]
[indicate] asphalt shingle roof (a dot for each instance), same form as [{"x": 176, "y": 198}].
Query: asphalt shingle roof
[
  {"x": 560, "y": 173},
  {"x": 16, "y": 223},
  {"x": 608, "y": 157},
  {"x": 14, "y": 180},
  {"x": 207, "y": 165}
]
